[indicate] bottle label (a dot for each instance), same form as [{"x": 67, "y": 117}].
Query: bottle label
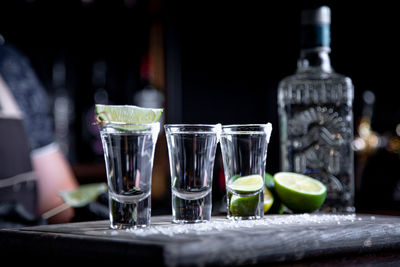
[{"x": 315, "y": 36}]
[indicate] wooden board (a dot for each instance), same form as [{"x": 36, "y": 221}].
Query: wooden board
[{"x": 275, "y": 239}]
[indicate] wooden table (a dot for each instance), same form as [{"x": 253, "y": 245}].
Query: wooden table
[{"x": 278, "y": 239}]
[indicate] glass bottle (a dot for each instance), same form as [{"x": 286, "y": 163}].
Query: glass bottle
[{"x": 316, "y": 118}]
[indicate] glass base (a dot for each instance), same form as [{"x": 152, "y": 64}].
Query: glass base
[
  {"x": 188, "y": 222},
  {"x": 191, "y": 210},
  {"x": 243, "y": 218},
  {"x": 130, "y": 215},
  {"x": 127, "y": 226}
]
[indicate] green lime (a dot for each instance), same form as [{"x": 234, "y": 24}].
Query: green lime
[
  {"x": 247, "y": 184},
  {"x": 125, "y": 114},
  {"x": 244, "y": 206},
  {"x": 269, "y": 181},
  {"x": 84, "y": 194},
  {"x": 268, "y": 200},
  {"x": 277, "y": 206},
  {"x": 299, "y": 192}
]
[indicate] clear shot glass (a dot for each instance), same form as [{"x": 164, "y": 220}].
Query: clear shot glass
[
  {"x": 244, "y": 154},
  {"x": 129, "y": 154},
  {"x": 191, "y": 150}
]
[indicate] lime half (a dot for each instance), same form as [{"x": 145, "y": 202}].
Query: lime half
[
  {"x": 299, "y": 192},
  {"x": 124, "y": 114},
  {"x": 247, "y": 184}
]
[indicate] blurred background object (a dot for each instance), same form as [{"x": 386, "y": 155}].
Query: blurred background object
[{"x": 207, "y": 62}]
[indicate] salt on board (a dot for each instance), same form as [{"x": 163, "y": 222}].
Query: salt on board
[{"x": 220, "y": 225}]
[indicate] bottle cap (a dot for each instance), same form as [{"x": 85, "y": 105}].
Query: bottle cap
[
  {"x": 321, "y": 15},
  {"x": 315, "y": 27}
]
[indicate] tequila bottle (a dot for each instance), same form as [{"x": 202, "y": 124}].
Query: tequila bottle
[{"x": 315, "y": 116}]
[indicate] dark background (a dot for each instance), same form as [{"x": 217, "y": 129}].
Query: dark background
[{"x": 223, "y": 62}]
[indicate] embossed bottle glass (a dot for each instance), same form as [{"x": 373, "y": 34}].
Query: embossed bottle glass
[{"x": 315, "y": 116}]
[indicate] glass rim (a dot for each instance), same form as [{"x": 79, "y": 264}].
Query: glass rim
[
  {"x": 186, "y": 128},
  {"x": 127, "y": 124},
  {"x": 190, "y": 125},
  {"x": 240, "y": 129},
  {"x": 122, "y": 127},
  {"x": 247, "y": 125}
]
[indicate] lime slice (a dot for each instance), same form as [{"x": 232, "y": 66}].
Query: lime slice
[
  {"x": 125, "y": 114},
  {"x": 268, "y": 200},
  {"x": 298, "y": 192},
  {"x": 84, "y": 194},
  {"x": 247, "y": 184}
]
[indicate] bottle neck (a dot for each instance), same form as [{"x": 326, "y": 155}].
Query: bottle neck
[{"x": 314, "y": 60}]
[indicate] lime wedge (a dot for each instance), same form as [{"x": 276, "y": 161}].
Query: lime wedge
[
  {"x": 126, "y": 114},
  {"x": 247, "y": 184},
  {"x": 268, "y": 200},
  {"x": 298, "y": 192},
  {"x": 84, "y": 194},
  {"x": 244, "y": 206}
]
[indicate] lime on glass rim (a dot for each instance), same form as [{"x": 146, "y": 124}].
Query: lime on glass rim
[
  {"x": 123, "y": 115},
  {"x": 300, "y": 193},
  {"x": 247, "y": 184}
]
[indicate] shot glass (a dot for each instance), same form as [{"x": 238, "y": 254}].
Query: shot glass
[
  {"x": 244, "y": 155},
  {"x": 191, "y": 150},
  {"x": 128, "y": 154}
]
